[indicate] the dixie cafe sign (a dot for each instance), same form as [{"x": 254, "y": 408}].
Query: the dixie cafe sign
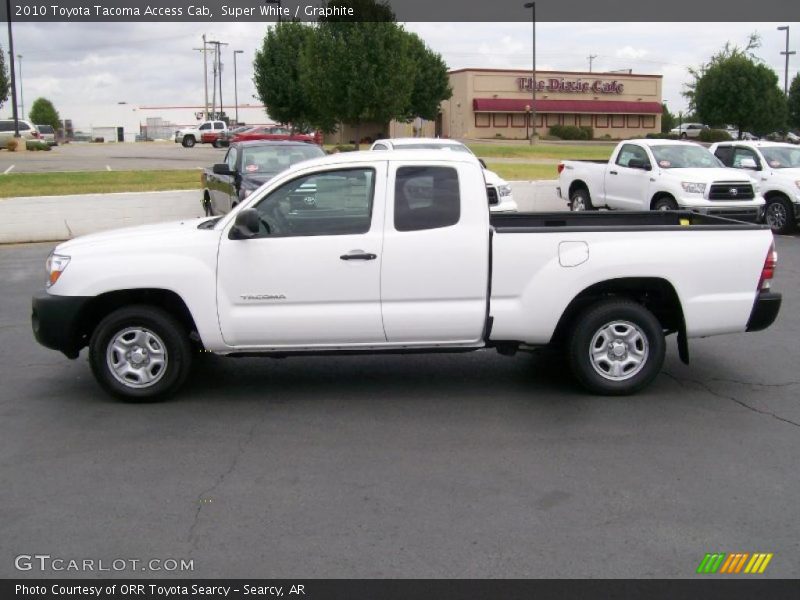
[{"x": 578, "y": 86}]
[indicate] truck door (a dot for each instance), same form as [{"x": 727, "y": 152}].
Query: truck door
[
  {"x": 222, "y": 188},
  {"x": 627, "y": 181},
  {"x": 311, "y": 278},
  {"x": 435, "y": 270}
]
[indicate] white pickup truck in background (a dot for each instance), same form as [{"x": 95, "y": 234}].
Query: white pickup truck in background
[
  {"x": 189, "y": 136},
  {"x": 777, "y": 167},
  {"x": 397, "y": 251},
  {"x": 660, "y": 175}
]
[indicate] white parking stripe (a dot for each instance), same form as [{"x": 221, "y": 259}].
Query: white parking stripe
[
  {"x": 9, "y": 169},
  {"x": 108, "y": 168}
]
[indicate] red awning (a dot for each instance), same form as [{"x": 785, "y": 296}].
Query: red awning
[{"x": 566, "y": 106}]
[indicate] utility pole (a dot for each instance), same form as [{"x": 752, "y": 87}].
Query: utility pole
[
  {"x": 591, "y": 58},
  {"x": 217, "y": 69},
  {"x": 204, "y": 50},
  {"x": 21, "y": 96},
  {"x": 786, "y": 53},
  {"x": 236, "y": 84},
  {"x": 532, "y": 6},
  {"x": 13, "y": 71}
]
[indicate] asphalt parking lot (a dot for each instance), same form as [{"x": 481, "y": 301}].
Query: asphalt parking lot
[
  {"x": 461, "y": 466},
  {"x": 115, "y": 157}
]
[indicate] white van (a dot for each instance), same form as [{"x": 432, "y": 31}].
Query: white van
[{"x": 27, "y": 130}]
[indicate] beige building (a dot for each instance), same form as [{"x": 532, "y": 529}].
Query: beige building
[{"x": 496, "y": 103}]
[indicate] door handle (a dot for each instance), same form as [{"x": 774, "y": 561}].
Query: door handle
[
  {"x": 612, "y": 172},
  {"x": 358, "y": 256}
]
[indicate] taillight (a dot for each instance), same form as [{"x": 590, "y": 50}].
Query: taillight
[
  {"x": 560, "y": 168},
  {"x": 768, "y": 272}
]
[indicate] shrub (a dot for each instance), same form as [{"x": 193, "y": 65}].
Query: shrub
[
  {"x": 571, "y": 132},
  {"x": 714, "y": 135},
  {"x": 37, "y": 145},
  {"x": 11, "y": 145},
  {"x": 661, "y": 136},
  {"x": 589, "y": 132}
]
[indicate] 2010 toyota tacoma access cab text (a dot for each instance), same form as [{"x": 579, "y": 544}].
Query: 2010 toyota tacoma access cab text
[
  {"x": 397, "y": 252},
  {"x": 660, "y": 175}
]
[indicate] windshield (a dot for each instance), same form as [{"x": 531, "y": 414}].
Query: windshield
[
  {"x": 45, "y": 128},
  {"x": 269, "y": 160},
  {"x": 429, "y": 146},
  {"x": 782, "y": 157},
  {"x": 688, "y": 156}
]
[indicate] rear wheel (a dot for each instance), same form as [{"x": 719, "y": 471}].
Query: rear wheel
[
  {"x": 216, "y": 144},
  {"x": 617, "y": 347},
  {"x": 188, "y": 141},
  {"x": 779, "y": 215},
  {"x": 665, "y": 203},
  {"x": 140, "y": 354},
  {"x": 684, "y": 136},
  {"x": 580, "y": 200}
]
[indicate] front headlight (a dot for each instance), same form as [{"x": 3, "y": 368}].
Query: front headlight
[
  {"x": 691, "y": 187},
  {"x": 504, "y": 190},
  {"x": 54, "y": 266}
]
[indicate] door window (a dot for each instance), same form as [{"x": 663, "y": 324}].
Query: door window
[
  {"x": 205, "y": 126},
  {"x": 379, "y": 147},
  {"x": 426, "y": 198},
  {"x": 219, "y": 125},
  {"x": 725, "y": 154},
  {"x": 741, "y": 153},
  {"x": 329, "y": 203},
  {"x": 230, "y": 159},
  {"x": 629, "y": 152}
]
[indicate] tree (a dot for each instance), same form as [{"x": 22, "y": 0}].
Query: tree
[
  {"x": 668, "y": 120},
  {"x": 277, "y": 75},
  {"x": 4, "y": 82},
  {"x": 44, "y": 113},
  {"x": 735, "y": 88},
  {"x": 794, "y": 102},
  {"x": 431, "y": 82}
]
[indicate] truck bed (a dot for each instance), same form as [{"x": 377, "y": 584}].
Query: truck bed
[{"x": 613, "y": 221}]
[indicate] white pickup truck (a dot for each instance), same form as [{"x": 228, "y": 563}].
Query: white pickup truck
[
  {"x": 660, "y": 175},
  {"x": 398, "y": 252},
  {"x": 210, "y": 130},
  {"x": 777, "y": 166}
]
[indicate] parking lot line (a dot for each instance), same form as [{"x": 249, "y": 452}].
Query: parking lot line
[
  {"x": 9, "y": 169},
  {"x": 108, "y": 168}
]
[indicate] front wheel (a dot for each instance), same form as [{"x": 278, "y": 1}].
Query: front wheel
[
  {"x": 188, "y": 141},
  {"x": 665, "y": 203},
  {"x": 779, "y": 215},
  {"x": 580, "y": 200},
  {"x": 617, "y": 347},
  {"x": 140, "y": 354}
]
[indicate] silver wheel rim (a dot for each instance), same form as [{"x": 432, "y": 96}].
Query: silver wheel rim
[
  {"x": 137, "y": 357},
  {"x": 776, "y": 215},
  {"x": 578, "y": 203},
  {"x": 619, "y": 350}
]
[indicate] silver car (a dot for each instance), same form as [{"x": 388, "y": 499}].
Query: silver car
[{"x": 47, "y": 134}]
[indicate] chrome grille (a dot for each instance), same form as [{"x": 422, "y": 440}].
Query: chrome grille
[{"x": 735, "y": 190}]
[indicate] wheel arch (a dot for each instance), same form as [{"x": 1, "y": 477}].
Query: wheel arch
[
  {"x": 658, "y": 196},
  {"x": 654, "y": 293},
  {"x": 578, "y": 184}
]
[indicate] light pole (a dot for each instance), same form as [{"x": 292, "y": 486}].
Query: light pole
[
  {"x": 532, "y": 6},
  {"x": 236, "y": 84},
  {"x": 278, "y": 2},
  {"x": 786, "y": 53},
  {"x": 527, "y": 116},
  {"x": 13, "y": 71},
  {"x": 21, "y": 96}
]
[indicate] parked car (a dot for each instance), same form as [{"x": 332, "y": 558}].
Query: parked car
[
  {"x": 660, "y": 175},
  {"x": 777, "y": 166},
  {"x": 189, "y": 136},
  {"x": 792, "y": 137},
  {"x": 248, "y": 165},
  {"x": 395, "y": 252},
  {"x": 688, "y": 130},
  {"x": 27, "y": 131},
  {"x": 226, "y": 137},
  {"x": 47, "y": 134},
  {"x": 746, "y": 135},
  {"x": 276, "y": 132},
  {"x": 501, "y": 197}
]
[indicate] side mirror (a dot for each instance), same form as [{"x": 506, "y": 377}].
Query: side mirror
[
  {"x": 638, "y": 163},
  {"x": 246, "y": 225},
  {"x": 483, "y": 163},
  {"x": 222, "y": 169},
  {"x": 748, "y": 163}
]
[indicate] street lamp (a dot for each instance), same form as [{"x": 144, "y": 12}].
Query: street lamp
[
  {"x": 13, "y": 73},
  {"x": 21, "y": 96},
  {"x": 527, "y": 116},
  {"x": 278, "y": 2},
  {"x": 532, "y": 6},
  {"x": 236, "y": 84},
  {"x": 786, "y": 53}
]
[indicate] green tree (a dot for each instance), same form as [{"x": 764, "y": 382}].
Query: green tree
[
  {"x": 372, "y": 11},
  {"x": 794, "y": 102},
  {"x": 668, "y": 120},
  {"x": 277, "y": 75},
  {"x": 735, "y": 88},
  {"x": 4, "y": 81},
  {"x": 44, "y": 113},
  {"x": 431, "y": 83}
]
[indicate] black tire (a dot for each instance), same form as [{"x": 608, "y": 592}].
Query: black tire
[
  {"x": 216, "y": 144},
  {"x": 189, "y": 141},
  {"x": 779, "y": 215},
  {"x": 173, "y": 343},
  {"x": 580, "y": 200},
  {"x": 665, "y": 203},
  {"x": 684, "y": 136},
  {"x": 590, "y": 331}
]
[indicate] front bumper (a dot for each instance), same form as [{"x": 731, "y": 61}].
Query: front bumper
[
  {"x": 56, "y": 322},
  {"x": 751, "y": 214},
  {"x": 765, "y": 310}
]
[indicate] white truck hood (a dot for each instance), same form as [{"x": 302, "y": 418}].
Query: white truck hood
[
  {"x": 129, "y": 237},
  {"x": 708, "y": 175},
  {"x": 493, "y": 178}
]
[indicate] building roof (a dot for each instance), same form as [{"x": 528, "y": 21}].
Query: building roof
[
  {"x": 566, "y": 106},
  {"x": 540, "y": 72}
]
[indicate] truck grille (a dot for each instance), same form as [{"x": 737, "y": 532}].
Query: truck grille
[
  {"x": 731, "y": 191},
  {"x": 491, "y": 191}
]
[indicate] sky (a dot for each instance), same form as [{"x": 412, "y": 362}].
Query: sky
[{"x": 88, "y": 69}]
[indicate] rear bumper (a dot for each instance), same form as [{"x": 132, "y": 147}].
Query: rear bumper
[
  {"x": 55, "y": 321},
  {"x": 765, "y": 310}
]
